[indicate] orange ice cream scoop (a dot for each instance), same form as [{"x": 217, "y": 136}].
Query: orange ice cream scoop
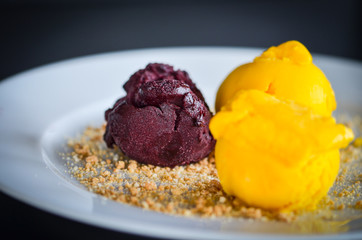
[
  {"x": 276, "y": 154},
  {"x": 285, "y": 71}
]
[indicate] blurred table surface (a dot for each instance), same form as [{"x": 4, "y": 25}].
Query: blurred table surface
[{"x": 37, "y": 32}]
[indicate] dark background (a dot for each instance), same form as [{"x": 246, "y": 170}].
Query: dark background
[{"x": 37, "y": 32}]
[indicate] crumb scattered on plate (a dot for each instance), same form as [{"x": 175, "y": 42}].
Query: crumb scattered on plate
[{"x": 194, "y": 190}]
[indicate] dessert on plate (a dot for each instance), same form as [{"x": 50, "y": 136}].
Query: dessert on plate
[{"x": 277, "y": 148}]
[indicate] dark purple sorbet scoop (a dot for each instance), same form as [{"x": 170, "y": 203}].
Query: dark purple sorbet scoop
[{"x": 163, "y": 120}]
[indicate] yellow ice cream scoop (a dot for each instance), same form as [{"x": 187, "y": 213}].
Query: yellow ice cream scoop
[
  {"x": 285, "y": 71},
  {"x": 274, "y": 153}
]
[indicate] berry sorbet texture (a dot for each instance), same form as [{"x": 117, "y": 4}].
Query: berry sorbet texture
[{"x": 163, "y": 120}]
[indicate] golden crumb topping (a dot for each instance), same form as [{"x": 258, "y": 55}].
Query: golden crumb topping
[{"x": 193, "y": 190}]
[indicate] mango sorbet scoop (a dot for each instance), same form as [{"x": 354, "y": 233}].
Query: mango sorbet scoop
[
  {"x": 287, "y": 72},
  {"x": 275, "y": 154},
  {"x": 277, "y": 144}
]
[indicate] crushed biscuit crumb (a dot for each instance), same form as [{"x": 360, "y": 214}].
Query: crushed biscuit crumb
[{"x": 192, "y": 190}]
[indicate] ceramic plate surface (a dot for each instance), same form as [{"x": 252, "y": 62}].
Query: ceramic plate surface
[{"x": 40, "y": 108}]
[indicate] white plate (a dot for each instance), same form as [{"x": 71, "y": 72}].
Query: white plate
[{"x": 41, "y": 107}]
